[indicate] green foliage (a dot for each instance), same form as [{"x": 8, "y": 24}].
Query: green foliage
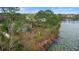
[
  {"x": 43, "y": 19},
  {"x": 3, "y": 42},
  {"x": 29, "y": 29},
  {"x": 50, "y": 18},
  {"x": 18, "y": 47},
  {"x": 7, "y": 26},
  {"x": 4, "y": 25},
  {"x": 19, "y": 20},
  {"x": 75, "y": 17},
  {"x": 43, "y": 14},
  {"x": 46, "y": 46}
]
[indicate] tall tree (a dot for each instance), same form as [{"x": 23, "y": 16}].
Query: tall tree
[
  {"x": 10, "y": 13},
  {"x": 49, "y": 16}
]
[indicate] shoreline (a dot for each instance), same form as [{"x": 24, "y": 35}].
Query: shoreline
[{"x": 41, "y": 44}]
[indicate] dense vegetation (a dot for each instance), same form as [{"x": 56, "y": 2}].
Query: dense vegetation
[
  {"x": 69, "y": 17},
  {"x": 75, "y": 17},
  {"x": 27, "y": 31}
]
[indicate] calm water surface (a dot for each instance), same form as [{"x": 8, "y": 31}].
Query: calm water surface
[{"x": 68, "y": 37}]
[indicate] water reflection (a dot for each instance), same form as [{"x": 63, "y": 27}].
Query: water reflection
[
  {"x": 68, "y": 37},
  {"x": 70, "y": 22}
]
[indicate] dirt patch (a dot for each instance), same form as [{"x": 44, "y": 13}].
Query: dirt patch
[{"x": 35, "y": 40}]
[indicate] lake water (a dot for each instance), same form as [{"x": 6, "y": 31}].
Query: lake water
[{"x": 68, "y": 37}]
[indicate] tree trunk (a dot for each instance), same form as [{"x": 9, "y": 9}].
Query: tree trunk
[{"x": 10, "y": 32}]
